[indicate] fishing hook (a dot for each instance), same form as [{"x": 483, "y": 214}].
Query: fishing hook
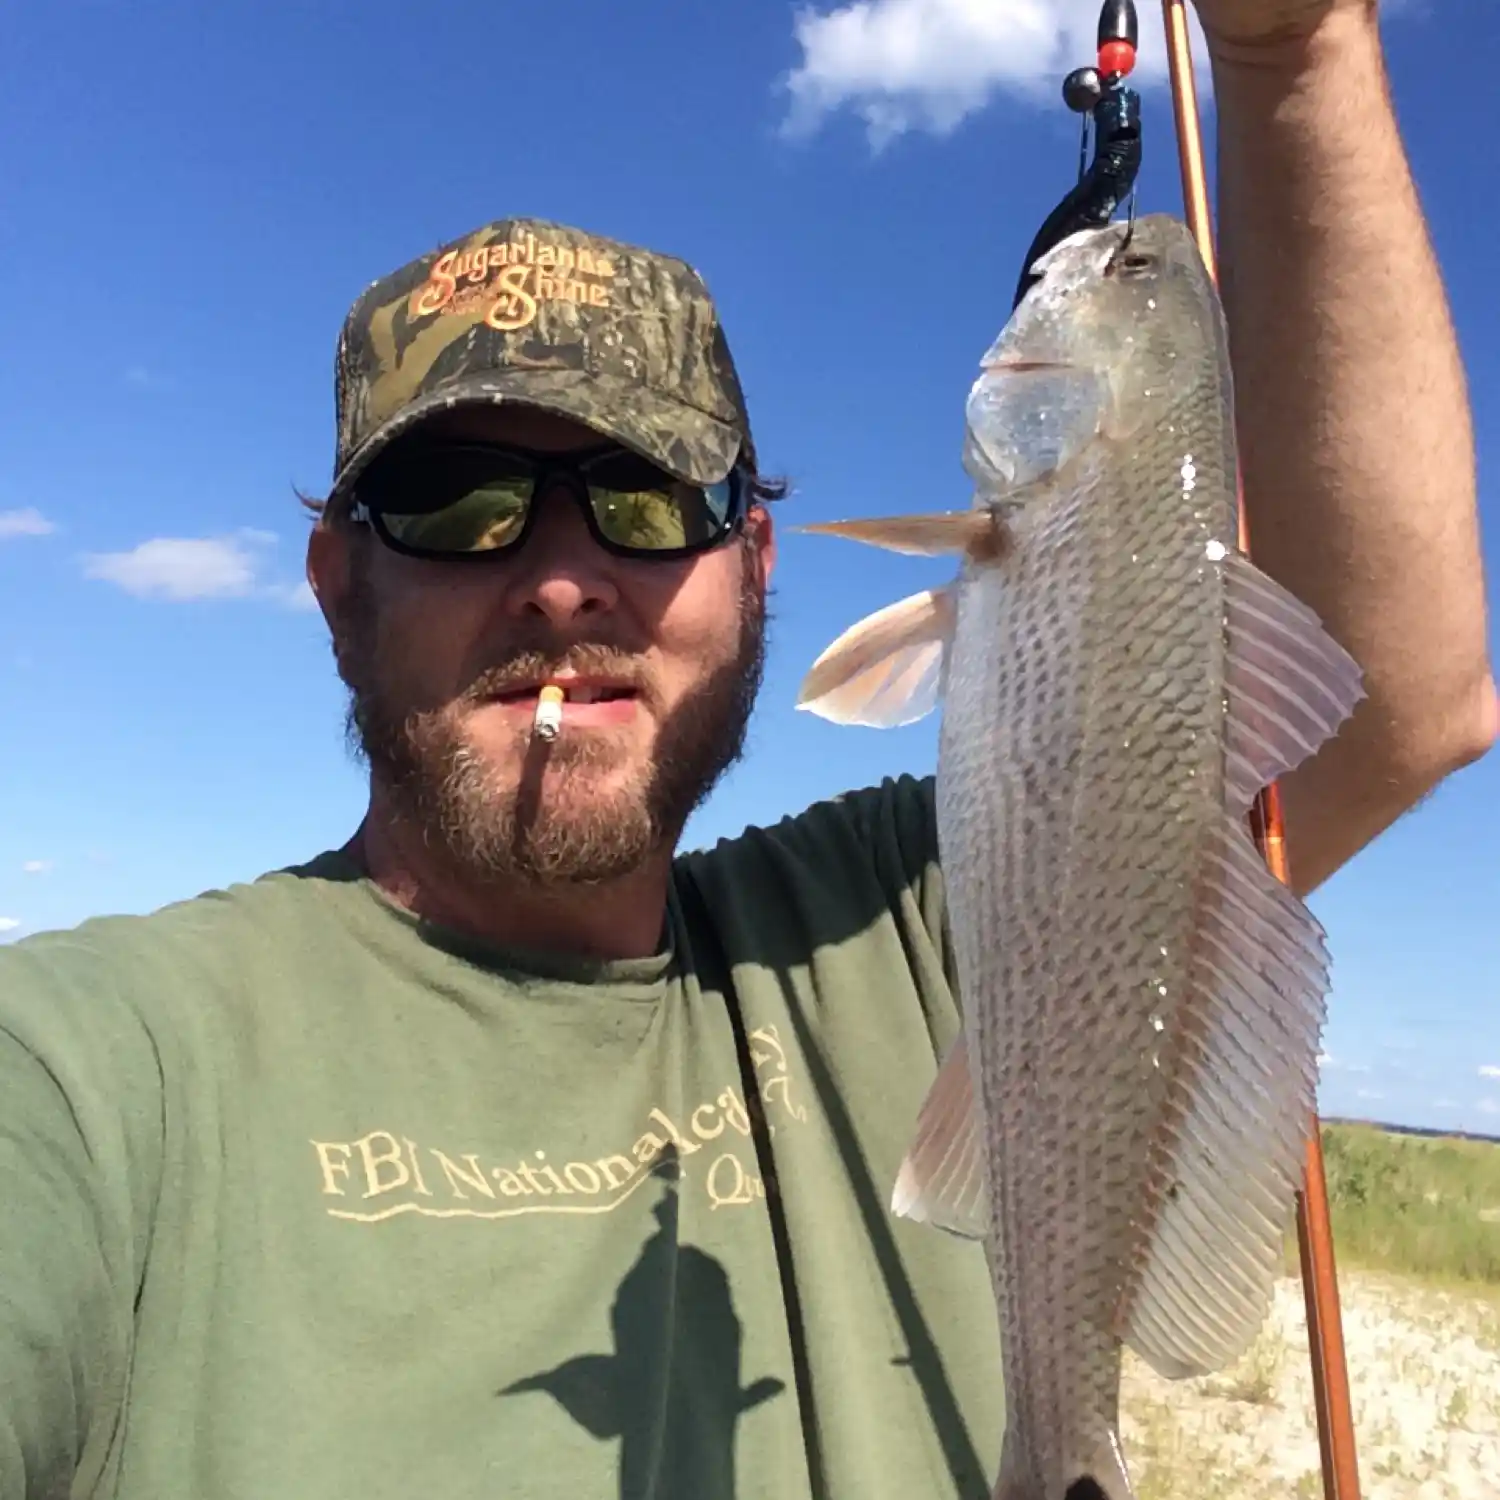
[{"x": 1101, "y": 96}]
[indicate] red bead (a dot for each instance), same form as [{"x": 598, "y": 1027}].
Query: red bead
[{"x": 1116, "y": 57}]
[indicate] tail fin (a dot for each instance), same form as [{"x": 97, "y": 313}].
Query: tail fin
[{"x": 1098, "y": 1474}]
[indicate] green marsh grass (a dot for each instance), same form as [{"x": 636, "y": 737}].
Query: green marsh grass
[{"x": 1419, "y": 1206}]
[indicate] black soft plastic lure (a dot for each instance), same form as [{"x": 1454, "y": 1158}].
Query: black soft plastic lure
[{"x": 1100, "y": 94}]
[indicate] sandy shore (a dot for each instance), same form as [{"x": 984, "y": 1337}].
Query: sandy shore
[{"x": 1424, "y": 1373}]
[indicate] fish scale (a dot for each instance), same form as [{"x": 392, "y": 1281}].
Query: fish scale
[
  {"x": 1121, "y": 1119},
  {"x": 1094, "y": 853}
]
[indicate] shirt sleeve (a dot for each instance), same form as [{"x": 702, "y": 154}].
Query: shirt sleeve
[
  {"x": 913, "y": 801},
  {"x": 80, "y": 1156},
  {"x": 827, "y": 872},
  {"x": 898, "y": 822}
]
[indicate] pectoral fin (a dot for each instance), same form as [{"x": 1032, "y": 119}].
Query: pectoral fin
[
  {"x": 974, "y": 533},
  {"x": 886, "y": 670}
]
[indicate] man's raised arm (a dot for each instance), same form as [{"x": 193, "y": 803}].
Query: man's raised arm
[{"x": 1357, "y": 450}]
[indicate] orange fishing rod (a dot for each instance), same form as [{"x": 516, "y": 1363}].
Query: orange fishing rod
[{"x": 1325, "y": 1335}]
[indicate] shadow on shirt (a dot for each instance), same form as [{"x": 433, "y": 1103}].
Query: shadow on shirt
[{"x": 673, "y": 1303}]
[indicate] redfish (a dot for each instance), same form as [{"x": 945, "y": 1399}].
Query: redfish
[{"x": 1123, "y": 1116}]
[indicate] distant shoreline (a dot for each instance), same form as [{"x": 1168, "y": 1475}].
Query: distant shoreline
[{"x": 1432, "y": 1132}]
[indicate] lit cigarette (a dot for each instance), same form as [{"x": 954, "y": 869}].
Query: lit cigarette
[{"x": 548, "y": 718}]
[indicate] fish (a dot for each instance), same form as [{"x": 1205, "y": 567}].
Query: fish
[{"x": 1122, "y": 1117}]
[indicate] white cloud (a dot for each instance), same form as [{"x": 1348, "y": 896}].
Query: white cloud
[
  {"x": 1368, "y": 1094},
  {"x": 179, "y": 568},
  {"x": 185, "y": 568},
  {"x": 37, "y": 866},
  {"x": 1489, "y": 1070},
  {"x": 928, "y": 64},
  {"x": 9, "y": 924},
  {"x": 1489, "y": 1106},
  {"x": 28, "y": 522},
  {"x": 298, "y": 596}
]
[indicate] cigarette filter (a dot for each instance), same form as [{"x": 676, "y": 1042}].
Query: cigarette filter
[{"x": 548, "y": 718}]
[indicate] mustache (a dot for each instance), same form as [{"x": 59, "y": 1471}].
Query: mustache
[{"x": 585, "y": 659}]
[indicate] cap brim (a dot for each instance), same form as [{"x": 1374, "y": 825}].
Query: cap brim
[{"x": 686, "y": 442}]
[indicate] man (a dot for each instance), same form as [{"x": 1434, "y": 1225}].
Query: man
[{"x": 503, "y": 1153}]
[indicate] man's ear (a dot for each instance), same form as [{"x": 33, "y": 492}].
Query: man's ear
[
  {"x": 328, "y": 568},
  {"x": 760, "y": 533}
]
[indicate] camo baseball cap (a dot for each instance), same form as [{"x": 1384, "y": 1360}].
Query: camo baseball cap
[{"x": 623, "y": 339}]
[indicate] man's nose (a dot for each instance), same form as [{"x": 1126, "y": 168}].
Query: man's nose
[{"x": 561, "y": 572}]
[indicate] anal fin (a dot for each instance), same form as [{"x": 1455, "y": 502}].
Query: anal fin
[{"x": 943, "y": 1180}]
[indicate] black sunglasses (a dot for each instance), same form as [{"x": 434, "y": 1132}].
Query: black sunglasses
[{"x": 450, "y": 501}]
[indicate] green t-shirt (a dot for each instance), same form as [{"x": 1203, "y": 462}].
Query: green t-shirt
[{"x": 302, "y": 1198}]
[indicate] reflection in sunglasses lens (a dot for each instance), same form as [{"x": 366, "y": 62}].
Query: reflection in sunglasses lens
[{"x": 466, "y": 500}]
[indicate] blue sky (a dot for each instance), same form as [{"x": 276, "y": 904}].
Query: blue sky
[{"x": 195, "y": 194}]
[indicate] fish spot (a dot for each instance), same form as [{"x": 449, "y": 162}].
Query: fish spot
[{"x": 1216, "y": 551}]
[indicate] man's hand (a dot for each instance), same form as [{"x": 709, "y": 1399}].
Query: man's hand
[{"x": 1241, "y": 26}]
